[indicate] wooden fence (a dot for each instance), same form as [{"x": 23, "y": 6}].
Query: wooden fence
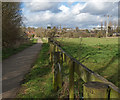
[{"x": 95, "y": 85}]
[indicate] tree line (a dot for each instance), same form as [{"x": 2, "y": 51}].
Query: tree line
[
  {"x": 73, "y": 33},
  {"x": 11, "y": 23}
]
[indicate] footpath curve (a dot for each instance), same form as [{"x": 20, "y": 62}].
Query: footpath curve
[{"x": 15, "y": 67}]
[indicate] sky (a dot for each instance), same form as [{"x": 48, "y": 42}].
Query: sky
[{"x": 82, "y": 14}]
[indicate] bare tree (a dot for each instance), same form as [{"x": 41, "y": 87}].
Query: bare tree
[
  {"x": 110, "y": 24},
  {"x": 101, "y": 26},
  {"x": 40, "y": 32},
  {"x": 77, "y": 29},
  {"x": 115, "y": 26}
]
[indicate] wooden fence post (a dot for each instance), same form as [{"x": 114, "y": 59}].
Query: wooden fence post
[
  {"x": 51, "y": 53},
  {"x": 56, "y": 49},
  {"x": 59, "y": 64},
  {"x": 64, "y": 57},
  {"x": 96, "y": 90},
  {"x": 61, "y": 59},
  {"x": 71, "y": 79},
  {"x": 114, "y": 94},
  {"x": 51, "y": 50},
  {"x": 57, "y": 81},
  {"x": 54, "y": 68}
]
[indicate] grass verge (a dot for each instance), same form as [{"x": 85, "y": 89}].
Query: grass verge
[
  {"x": 7, "y": 52},
  {"x": 38, "y": 83},
  {"x": 98, "y": 54}
]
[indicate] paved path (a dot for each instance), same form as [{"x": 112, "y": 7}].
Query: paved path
[{"x": 15, "y": 67}]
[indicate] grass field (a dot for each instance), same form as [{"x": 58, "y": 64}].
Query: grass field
[{"x": 98, "y": 54}]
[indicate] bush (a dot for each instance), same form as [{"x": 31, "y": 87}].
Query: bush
[
  {"x": 76, "y": 35},
  {"x": 99, "y": 35},
  {"x": 11, "y": 22}
]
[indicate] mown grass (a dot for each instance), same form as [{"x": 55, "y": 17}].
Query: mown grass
[
  {"x": 7, "y": 52},
  {"x": 38, "y": 83},
  {"x": 98, "y": 54}
]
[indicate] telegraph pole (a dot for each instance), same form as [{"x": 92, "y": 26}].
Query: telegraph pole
[
  {"x": 60, "y": 29},
  {"x": 107, "y": 23}
]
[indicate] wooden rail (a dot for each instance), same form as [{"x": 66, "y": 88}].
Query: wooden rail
[{"x": 95, "y": 87}]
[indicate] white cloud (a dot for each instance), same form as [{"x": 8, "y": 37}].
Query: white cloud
[
  {"x": 76, "y": 8},
  {"x": 97, "y": 8},
  {"x": 34, "y": 6},
  {"x": 82, "y": 15},
  {"x": 42, "y": 6},
  {"x": 64, "y": 9}
]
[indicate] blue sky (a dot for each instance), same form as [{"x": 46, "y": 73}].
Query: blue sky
[{"x": 68, "y": 14}]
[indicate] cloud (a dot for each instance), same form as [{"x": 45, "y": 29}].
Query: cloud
[
  {"x": 64, "y": 18},
  {"x": 77, "y": 8},
  {"x": 64, "y": 9},
  {"x": 97, "y": 8},
  {"x": 83, "y": 15},
  {"x": 42, "y": 6}
]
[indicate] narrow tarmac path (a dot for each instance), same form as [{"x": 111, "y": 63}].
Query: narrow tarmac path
[{"x": 15, "y": 67}]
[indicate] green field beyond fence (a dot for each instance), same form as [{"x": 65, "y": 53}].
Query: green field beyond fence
[
  {"x": 94, "y": 58},
  {"x": 98, "y": 54}
]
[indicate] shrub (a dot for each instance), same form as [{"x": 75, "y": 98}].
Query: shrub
[{"x": 11, "y": 22}]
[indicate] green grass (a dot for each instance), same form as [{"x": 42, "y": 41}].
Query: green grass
[
  {"x": 7, "y": 52},
  {"x": 34, "y": 41},
  {"x": 38, "y": 83},
  {"x": 98, "y": 54},
  {"x": 44, "y": 40}
]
